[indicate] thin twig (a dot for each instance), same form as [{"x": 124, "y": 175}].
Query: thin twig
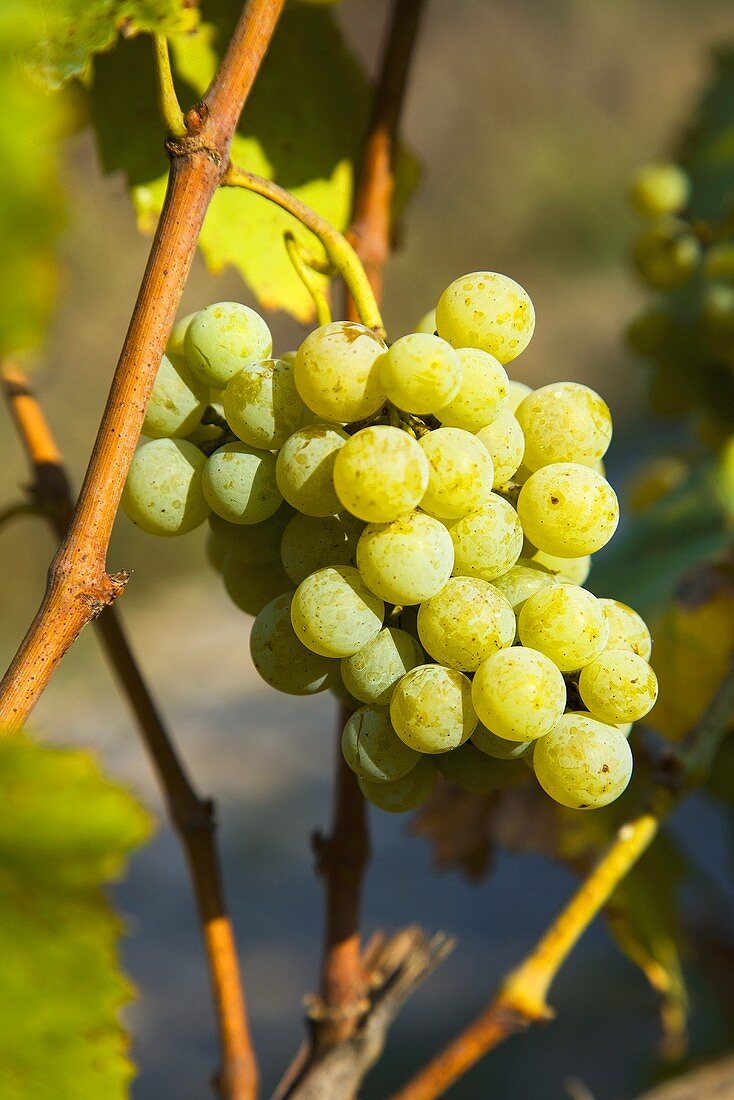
[
  {"x": 16, "y": 511},
  {"x": 191, "y": 816},
  {"x": 168, "y": 105},
  {"x": 79, "y": 585},
  {"x": 307, "y": 272}
]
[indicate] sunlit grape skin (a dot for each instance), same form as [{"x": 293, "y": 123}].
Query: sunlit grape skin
[
  {"x": 461, "y": 472},
  {"x": 163, "y": 492},
  {"x": 420, "y": 373},
  {"x": 262, "y": 405},
  {"x": 406, "y": 561},
  {"x": 566, "y": 623},
  {"x": 482, "y": 395},
  {"x": 583, "y": 763},
  {"x": 337, "y": 371},
  {"x": 371, "y": 674},
  {"x": 380, "y": 474},
  {"x": 486, "y": 310},
  {"x": 177, "y": 400},
  {"x": 465, "y": 622},
  {"x": 519, "y": 694},
  {"x": 505, "y": 442},
  {"x": 223, "y": 338},
  {"x": 521, "y": 581},
  {"x": 619, "y": 686},
  {"x": 568, "y": 510},
  {"x": 431, "y": 709},
  {"x": 304, "y": 469},
  {"x": 334, "y": 613},
  {"x": 627, "y": 629},
  {"x": 373, "y": 750},
  {"x": 564, "y": 422},
  {"x": 487, "y": 541}
]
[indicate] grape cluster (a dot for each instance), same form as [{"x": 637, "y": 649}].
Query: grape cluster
[{"x": 412, "y": 530}]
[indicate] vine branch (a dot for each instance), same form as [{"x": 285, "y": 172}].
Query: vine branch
[
  {"x": 79, "y": 585},
  {"x": 192, "y": 817}
]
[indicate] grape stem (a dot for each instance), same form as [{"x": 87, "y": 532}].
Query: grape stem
[
  {"x": 168, "y": 105},
  {"x": 191, "y": 816},
  {"x": 336, "y": 246},
  {"x": 307, "y": 268}
]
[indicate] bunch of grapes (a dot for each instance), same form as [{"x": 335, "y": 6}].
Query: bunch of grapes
[{"x": 411, "y": 530}]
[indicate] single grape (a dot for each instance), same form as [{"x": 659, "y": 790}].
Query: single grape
[
  {"x": 223, "y": 338},
  {"x": 564, "y": 422},
  {"x": 489, "y": 311},
  {"x": 461, "y": 472},
  {"x": 516, "y": 392},
  {"x": 239, "y": 483},
  {"x": 427, "y": 322},
  {"x": 519, "y": 694},
  {"x": 649, "y": 331},
  {"x": 163, "y": 493},
  {"x": 466, "y": 622},
  {"x": 373, "y": 750},
  {"x": 406, "y": 561},
  {"x": 659, "y": 189},
  {"x": 566, "y": 623},
  {"x": 337, "y": 371},
  {"x": 619, "y": 686},
  {"x": 380, "y": 474},
  {"x": 251, "y": 587},
  {"x": 488, "y": 541},
  {"x": 334, "y": 613},
  {"x": 371, "y": 674},
  {"x": 471, "y": 770},
  {"x": 505, "y": 442},
  {"x": 262, "y": 405},
  {"x": 420, "y": 373},
  {"x": 280, "y": 658},
  {"x": 627, "y": 629},
  {"x": 304, "y": 469},
  {"x": 718, "y": 262},
  {"x": 175, "y": 344},
  {"x": 666, "y": 253},
  {"x": 482, "y": 395},
  {"x": 582, "y": 763},
  {"x": 498, "y": 747},
  {"x": 254, "y": 543},
  {"x": 431, "y": 709},
  {"x": 313, "y": 542},
  {"x": 404, "y": 794},
  {"x": 575, "y": 570},
  {"x": 568, "y": 510},
  {"x": 521, "y": 581},
  {"x": 177, "y": 400}
]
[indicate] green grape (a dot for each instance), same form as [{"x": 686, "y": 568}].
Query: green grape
[
  {"x": 334, "y": 613},
  {"x": 175, "y": 345},
  {"x": 380, "y": 474},
  {"x": 498, "y": 747},
  {"x": 666, "y": 253},
  {"x": 568, "y": 510},
  {"x": 373, "y": 750},
  {"x": 627, "y": 629},
  {"x": 427, "y": 322},
  {"x": 566, "y": 623},
  {"x": 505, "y": 442},
  {"x": 280, "y": 658},
  {"x": 251, "y": 587},
  {"x": 659, "y": 189},
  {"x": 466, "y": 622},
  {"x": 471, "y": 770},
  {"x": 239, "y": 483},
  {"x": 482, "y": 395},
  {"x": 718, "y": 263},
  {"x": 253, "y": 543},
  {"x": 619, "y": 686},
  {"x": 575, "y": 570},
  {"x": 304, "y": 469},
  {"x": 404, "y": 794},
  {"x": 516, "y": 392},
  {"x": 564, "y": 422},
  {"x": 521, "y": 581},
  {"x": 222, "y": 339},
  {"x": 262, "y": 405},
  {"x": 313, "y": 542},
  {"x": 648, "y": 333},
  {"x": 177, "y": 400},
  {"x": 461, "y": 472},
  {"x": 371, "y": 674},
  {"x": 488, "y": 311},
  {"x": 337, "y": 371},
  {"x": 488, "y": 541},
  {"x": 519, "y": 694},
  {"x": 582, "y": 763},
  {"x": 431, "y": 709},
  {"x": 420, "y": 373},
  {"x": 406, "y": 561},
  {"x": 163, "y": 493}
]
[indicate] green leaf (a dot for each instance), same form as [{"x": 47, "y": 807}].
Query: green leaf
[
  {"x": 73, "y": 32},
  {"x": 302, "y": 126},
  {"x": 65, "y": 831}
]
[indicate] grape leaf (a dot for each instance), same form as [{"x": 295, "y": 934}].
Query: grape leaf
[
  {"x": 65, "y": 831},
  {"x": 302, "y": 127}
]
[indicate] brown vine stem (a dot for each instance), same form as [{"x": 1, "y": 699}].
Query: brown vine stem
[
  {"x": 191, "y": 816},
  {"x": 79, "y": 585}
]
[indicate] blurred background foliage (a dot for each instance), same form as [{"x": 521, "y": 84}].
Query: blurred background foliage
[{"x": 529, "y": 119}]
